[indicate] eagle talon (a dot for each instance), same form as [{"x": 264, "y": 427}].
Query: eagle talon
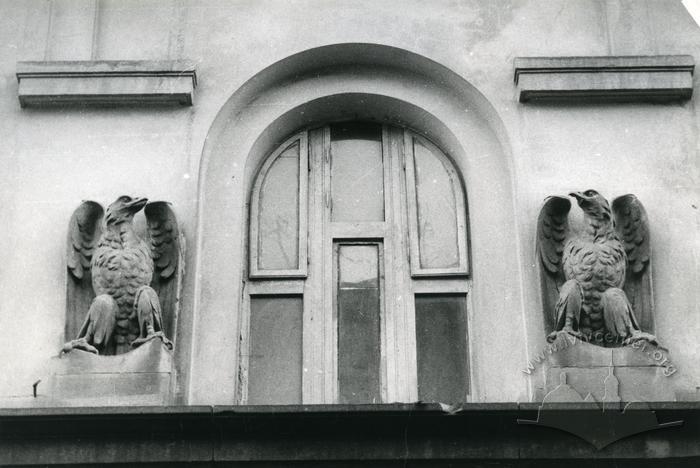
[
  {"x": 564, "y": 333},
  {"x": 640, "y": 336},
  {"x": 151, "y": 336},
  {"x": 80, "y": 343}
]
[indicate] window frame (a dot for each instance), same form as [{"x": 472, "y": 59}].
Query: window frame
[
  {"x": 379, "y": 243},
  {"x": 396, "y": 235},
  {"x": 460, "y": 208},
  {"x": 302, "y": 214}
]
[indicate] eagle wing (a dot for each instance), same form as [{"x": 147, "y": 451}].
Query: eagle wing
[
  {"x": 552, "y": 233},
  {"x": 632, "y": 226},
  {"x": 167, "y": 246},
  {"x": 84, "y": 231}
]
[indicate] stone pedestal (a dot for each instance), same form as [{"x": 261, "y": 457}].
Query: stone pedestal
[
  {"x": 642, "y": 372},
  {"x": 141, "y": 377}
]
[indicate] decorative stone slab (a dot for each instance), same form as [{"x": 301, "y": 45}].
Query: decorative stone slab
[
  {"x": 104, "y": 82},
  {"x": 639, "y": 372},
  {"x": 639, "y": 355},
  {"x": 570, "y": 351},
  {"x": 583, "y": 381},
  {"x": 647, "y": 384},
  {"x": 630, "y": 78},
  {"x": 139, "y": 377}
]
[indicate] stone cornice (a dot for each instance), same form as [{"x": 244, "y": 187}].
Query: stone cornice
[
  {"x": 331, "y": 434},
  {"x": 104, "y": 82},
  {"x": 625, "y": 78}
]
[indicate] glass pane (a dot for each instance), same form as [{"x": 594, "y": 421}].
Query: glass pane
[
  {"x": 441, "y": 347},
  {"x": 357, "y": 180},
  {"x": 358, "y": 302},
  {"x": 278, "y": 236},
  {"x": 274, "y": 375},
  {"x": 437, "y": 210}
]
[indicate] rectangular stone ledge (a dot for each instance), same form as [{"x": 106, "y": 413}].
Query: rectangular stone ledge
[
  {"x": 330, "y": 435},
  {"x": 657, "y": 78},
  {"x": 105, "y": 83}
]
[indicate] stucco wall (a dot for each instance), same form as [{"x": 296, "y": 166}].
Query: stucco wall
[{"x": 52, "y": 159}]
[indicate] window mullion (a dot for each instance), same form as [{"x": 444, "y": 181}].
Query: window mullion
[
  {"x": 330, "y": 319},
  {"x": 243, "y": 348},
  {"x": 399, "y": 322},
  {"x": 315, "y": 310}
]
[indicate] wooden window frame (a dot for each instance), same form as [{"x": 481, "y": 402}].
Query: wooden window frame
[
  {"x": 336, "y": 243},
  {"x": 462, "y": 269},
  {"x": 254, "y": 270},
  {"x": 401, "y": 280}
]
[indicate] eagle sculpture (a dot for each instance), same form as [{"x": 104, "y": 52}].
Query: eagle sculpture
[
  {"x": 121, "y": 282},
  {"x": 596, "y": 283}
]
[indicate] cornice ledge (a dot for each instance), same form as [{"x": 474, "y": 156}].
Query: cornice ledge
[
  {"x": 106, "y": 82},
  {"x": 333, "y": 435},
  {"x": 657, "y": 78}
]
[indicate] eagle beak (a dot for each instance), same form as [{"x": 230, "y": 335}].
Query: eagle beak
[
  {"x": 136, "y": 204},
  {"x": 577, "y": 195}
]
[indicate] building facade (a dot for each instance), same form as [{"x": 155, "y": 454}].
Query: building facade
[{"x": 355, "y": 195}]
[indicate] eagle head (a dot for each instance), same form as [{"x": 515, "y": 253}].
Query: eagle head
[
  {"x": 123, "y": 209},
  {"x": 593, "y": 204}
]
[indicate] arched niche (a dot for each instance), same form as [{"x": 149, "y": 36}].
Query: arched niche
[{"x": 356, "y": 82}]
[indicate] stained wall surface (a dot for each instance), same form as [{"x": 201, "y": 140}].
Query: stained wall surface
[{"x": 51, "y": 159}]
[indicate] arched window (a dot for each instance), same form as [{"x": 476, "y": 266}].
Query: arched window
[{"x": 358, "y": 274}]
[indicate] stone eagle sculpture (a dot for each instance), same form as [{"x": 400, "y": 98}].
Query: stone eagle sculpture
[
  {"x": 122, "y": 285},
  {"x": 596, "y": 283}
]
